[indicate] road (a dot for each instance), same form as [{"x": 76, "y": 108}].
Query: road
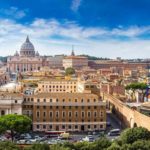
[{"x": 114, "y": 121}]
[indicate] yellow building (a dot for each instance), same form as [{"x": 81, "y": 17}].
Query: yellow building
[
  {"x": 57, "y": 85},
  {"x": 66, "y": 111}
]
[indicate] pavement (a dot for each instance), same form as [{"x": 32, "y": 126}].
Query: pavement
[{"x": 114, "y": 121}]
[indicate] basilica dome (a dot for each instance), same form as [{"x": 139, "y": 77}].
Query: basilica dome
[{"x": 27, "y": 48}]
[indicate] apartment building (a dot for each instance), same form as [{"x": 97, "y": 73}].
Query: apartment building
[{"x": 57, "y": 86}]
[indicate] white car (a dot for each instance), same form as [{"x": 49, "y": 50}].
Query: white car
[
  {"x": 33, "y": 140},
  {"x": 23, "y": 141},
  {"x": 88, "y": 138}
]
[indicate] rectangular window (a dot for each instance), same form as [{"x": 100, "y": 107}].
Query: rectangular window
[
  {"x": 57, "y": 114},
  {"x": 76, "y": 126},
  {"x": 82, "y": 113},
  {"x": 76, "y": 114},
  {"x": 37, "y": 114},
  {"x": 63, "y": 114},
  {"x": 101, "y": 114},
  {"x": 51, "y": 114},
  {"x": 63, "y": 126},
  {"x": 70, "y": 114},
  {"x": 44, "y": 114},
  {"x": 89, "y": 114},
  {"x": 95, "y": 113},
  {"x": 44, "y": 126},
  {"x": 37, "y": 126}
]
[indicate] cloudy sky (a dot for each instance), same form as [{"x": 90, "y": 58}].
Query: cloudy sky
[{"x": 103, "y": 28}]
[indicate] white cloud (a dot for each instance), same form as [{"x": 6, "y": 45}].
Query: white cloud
[
  {"x": 75, "y": 5},
  {"x": 53, "y": 37},
  {"x": 13, "y": 12}
]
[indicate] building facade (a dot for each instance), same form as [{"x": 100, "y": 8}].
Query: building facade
[
  {"x": 76, "y": 62},
  {"x": 66, "y": 111},
  {"x": 26, "y": 60},
  {"x": 10, "y": 103},
  {"x": 57, "y": 86}
]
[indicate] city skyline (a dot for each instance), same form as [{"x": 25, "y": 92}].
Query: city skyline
[{"x": 120, "y": 31}]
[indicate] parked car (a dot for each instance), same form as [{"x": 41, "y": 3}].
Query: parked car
[
  {"x": 114, "y": 132},
  {"x": 88, "y": 138}
]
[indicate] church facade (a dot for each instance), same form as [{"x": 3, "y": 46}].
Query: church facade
[{"x": 26, "y": 60}]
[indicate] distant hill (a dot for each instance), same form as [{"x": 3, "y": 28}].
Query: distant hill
[{"x": 95, "y": 58}]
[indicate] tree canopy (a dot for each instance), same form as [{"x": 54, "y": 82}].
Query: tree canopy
[
  {"x": 69, "y": 71},
  {"x": 15, "y": 123},
  {"x": 131, "y": 139},
  {"x": 136, "y": 86},
  {"x": 131, "y": 135},
  {"x": 8, "y": 146}
]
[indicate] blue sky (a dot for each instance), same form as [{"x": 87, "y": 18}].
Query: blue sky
[{"x": 104, "y": 28}]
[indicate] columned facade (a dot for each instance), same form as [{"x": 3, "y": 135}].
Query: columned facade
[{"x": 27, "y": 60}]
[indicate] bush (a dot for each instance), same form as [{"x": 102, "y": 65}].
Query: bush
[
  {"x": 114, "y": 146},
  {"x": 8, "y": 146},
  {"x": 129, "y": 136},
  {"x": 39, "y": 147},
  {"x": 140, "y": 145},
  {"x": 102, "y": 143}
]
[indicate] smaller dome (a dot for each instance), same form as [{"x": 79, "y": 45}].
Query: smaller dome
[
  {"x": 37, "y": 53},
  {"x": 16, "y": 54}
]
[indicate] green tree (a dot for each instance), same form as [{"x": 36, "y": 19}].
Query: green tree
[
  {"x": 59, "y": 147},
  {"x": 102, "y": 143},
  {"x": 114, "y": 146},
  {"x": 69, "y": 145},
  {"x": 15, "y": 123},
  {"x": 69, "y": 71},
  {"x": 38, "y": 146},
  {"x": 140, "y": 145},
  {"x": 80, "y": 145},
  {"x": 133, "y": 134},
  {"x": 136, "y": 86},
  {"x": 8, "y": 146}
]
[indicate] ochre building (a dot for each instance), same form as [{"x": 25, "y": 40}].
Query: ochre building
[{"x": 65, "y": 111}]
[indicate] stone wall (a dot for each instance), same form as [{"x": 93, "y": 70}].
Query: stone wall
[{"x": 128, "y": 117}]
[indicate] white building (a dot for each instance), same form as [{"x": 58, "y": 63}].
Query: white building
[{"x": 10, "y": 103}]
